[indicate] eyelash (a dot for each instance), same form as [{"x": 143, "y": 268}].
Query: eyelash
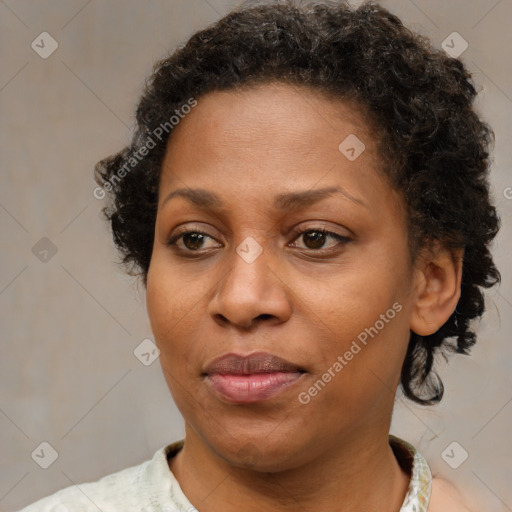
[{"x": 343, "y": 240}]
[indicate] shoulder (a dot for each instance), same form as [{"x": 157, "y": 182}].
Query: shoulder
[
  {"x": 444, "y": 497},
  {"x": 90, "y": 496},
  {"x": 129, "y": 489}
]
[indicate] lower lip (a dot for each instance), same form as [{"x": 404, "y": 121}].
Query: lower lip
[{"x": 244, "y": 389}]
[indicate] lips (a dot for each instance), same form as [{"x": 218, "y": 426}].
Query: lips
[
  {"x": 252, "y": 378},
  {"x": 260, "y": 362}
]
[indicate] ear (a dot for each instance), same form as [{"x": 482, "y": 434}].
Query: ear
[{"x": 437, "y": 281}]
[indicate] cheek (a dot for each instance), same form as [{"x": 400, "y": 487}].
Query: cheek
[
  {"x": 158, "y": 305},
  {"x": 169, "y": 298},
  {"x": 162, "y": 308},
  {"x": 164, "y": 313},
  {"x": 173, "y": 308},
  {"x": 368, "y": 329},
  {"x": 352, "y": 391}
]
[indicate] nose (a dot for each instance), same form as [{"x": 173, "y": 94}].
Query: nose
[{"x": 251, "y": 292}]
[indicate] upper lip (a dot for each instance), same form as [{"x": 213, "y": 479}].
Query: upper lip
[{"x": 259, "y": 362}]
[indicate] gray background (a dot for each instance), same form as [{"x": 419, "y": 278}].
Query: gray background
[{"x": 70, "y": 324}]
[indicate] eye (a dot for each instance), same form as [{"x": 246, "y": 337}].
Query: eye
[
  {"x": 315, "y": 238},
  {"x": 191, "y": 240}
]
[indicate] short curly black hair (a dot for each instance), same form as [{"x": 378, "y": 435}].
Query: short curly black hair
[{"x": 434, "y": 147}]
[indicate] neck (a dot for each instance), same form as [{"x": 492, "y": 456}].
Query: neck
[{"x": 360, "y": 474}]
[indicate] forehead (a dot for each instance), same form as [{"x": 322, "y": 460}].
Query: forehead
[
  {"x": 272, "y": 114},
  {"x": 270, "y": 138}
]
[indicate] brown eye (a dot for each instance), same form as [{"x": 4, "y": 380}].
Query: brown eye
[
  {"x": 315, "y": 239},
  {"x": 191, "y": 241}
]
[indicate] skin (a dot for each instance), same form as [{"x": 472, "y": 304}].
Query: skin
[{"x": 301, "y": 303}]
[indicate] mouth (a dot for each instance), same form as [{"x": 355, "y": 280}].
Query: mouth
[{"x": 252, "y": 378}]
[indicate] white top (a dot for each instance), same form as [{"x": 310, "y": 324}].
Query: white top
[{"x": 152, "y": 487}]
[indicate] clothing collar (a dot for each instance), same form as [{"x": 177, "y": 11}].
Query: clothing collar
[
  {"x": 416, "y": 466},
  {"x": 410, "y": 460}
]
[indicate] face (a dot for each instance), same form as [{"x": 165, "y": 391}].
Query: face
[{"x": 298, "y": 257}]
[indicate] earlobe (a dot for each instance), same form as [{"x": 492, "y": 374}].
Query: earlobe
[{"x": 438, "y": 277}]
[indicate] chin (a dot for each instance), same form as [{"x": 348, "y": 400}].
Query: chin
[{"x": 258, "y": 453}]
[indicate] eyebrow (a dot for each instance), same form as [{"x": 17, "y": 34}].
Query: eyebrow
[{"x": 286, "y": 202}]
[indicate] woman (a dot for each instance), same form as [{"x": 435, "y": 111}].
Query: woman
[{"x": 306, "y": 201}]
